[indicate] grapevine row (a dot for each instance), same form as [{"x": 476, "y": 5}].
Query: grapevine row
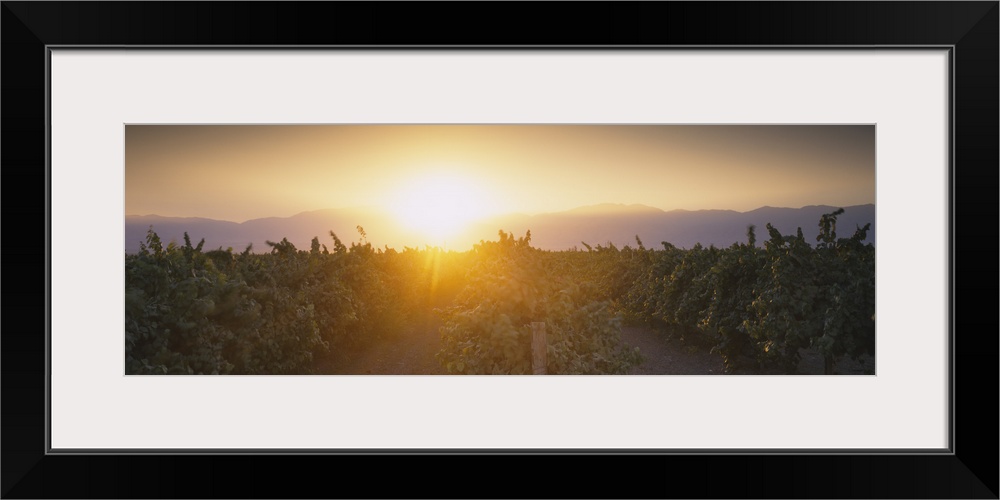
[{"x": 189, "y": 311}]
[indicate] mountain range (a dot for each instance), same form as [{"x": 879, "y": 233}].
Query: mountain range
[{"x": 594, "y": 225}]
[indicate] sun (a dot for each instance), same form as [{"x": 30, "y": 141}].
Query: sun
[{"x": 439, "y": 206}]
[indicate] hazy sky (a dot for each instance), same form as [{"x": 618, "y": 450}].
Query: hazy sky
[{"x": 241, "y": 172}]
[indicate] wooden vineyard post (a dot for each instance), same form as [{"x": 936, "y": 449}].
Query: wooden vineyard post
[{"x": 538, "y": 358}]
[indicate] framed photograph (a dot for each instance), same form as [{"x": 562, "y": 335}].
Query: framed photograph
[
  {"x": 463, "y": 249},
  {"x": 393, "y": 153}
]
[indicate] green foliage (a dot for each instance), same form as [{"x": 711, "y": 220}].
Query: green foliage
[
  {"x": 848, "y": 312},
  {"x": 190, "y": 311},
  {"x": 512, "y": 285},
  {"x": 735, "y": 280},
  {"x": 180, "y": 312},
  {"x": 194, "y": 312},
  {"x": 756, "y": 307},
  {"x": 787, "y": 302}
]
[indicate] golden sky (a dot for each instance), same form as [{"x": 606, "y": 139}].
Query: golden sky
[{"x": 241, "y": 172}]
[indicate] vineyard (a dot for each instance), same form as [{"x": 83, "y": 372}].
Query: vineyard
[{"x": 756, "y": 308}]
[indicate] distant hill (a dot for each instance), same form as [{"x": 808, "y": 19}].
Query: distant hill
[
  {"x": 682, "y": 228},
  {"x": 298, "y": 229},
  {"x": 596, "y": 225}
]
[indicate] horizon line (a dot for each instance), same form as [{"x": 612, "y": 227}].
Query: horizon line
[{"x": 507, "y": 214}]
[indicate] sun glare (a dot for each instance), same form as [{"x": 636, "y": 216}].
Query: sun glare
[{"x": 439, "y": 206}]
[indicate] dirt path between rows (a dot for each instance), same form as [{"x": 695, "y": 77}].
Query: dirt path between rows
[
  {"x": 413, "y": 353},
  {"x": 665, "y": 357},
  {"x": 405, "y": 353}
]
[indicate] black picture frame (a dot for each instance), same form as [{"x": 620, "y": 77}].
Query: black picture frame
[{"x": 969, "y": 28}]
